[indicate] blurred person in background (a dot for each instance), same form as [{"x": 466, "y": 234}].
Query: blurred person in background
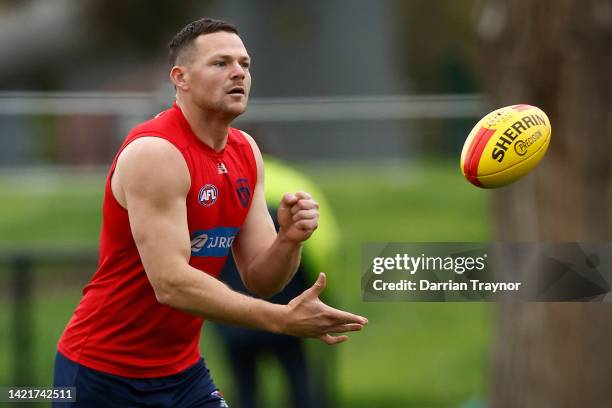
[
  {"x": 184, "y": 189},
  {"x": 246, "y": 347}
]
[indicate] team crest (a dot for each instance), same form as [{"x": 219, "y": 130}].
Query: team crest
[
  {"x": 208, "y": 195},
  {"x": 244, "y": 191}
]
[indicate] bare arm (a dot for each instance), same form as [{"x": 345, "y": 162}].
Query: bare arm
[
  {"x": 266, "y": 260},
  {"x": 151, "y": 180}
]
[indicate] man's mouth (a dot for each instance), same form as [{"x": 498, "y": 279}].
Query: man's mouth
[{"x": 236, "y": 91}]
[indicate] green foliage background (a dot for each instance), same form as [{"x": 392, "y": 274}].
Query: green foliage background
[{"x": 411, "y": 354}]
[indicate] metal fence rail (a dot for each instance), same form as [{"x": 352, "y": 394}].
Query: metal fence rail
[{"x": 384, "y": 107}]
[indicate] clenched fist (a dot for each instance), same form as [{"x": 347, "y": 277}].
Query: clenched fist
[{"x": 298, "y": 216}]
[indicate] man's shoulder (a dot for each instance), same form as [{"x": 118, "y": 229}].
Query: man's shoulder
[
  {"x": 164, "y": 125},
  {"x": 162, "y": 122},
  {"x": 241, "y": 138},
  {"x": 238, "y": 136},
  {"x": 154, "y": 162}
]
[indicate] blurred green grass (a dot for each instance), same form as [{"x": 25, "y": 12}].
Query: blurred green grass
[{"x": 411, "y": 354}]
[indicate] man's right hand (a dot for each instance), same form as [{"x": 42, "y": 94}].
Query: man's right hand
[{"x": 308, "y": 316}]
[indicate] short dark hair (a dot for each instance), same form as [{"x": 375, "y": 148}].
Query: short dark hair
[{"x": 184, "y": 39}]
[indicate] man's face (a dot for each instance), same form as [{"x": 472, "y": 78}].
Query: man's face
[{"x": 217, "y": 73}]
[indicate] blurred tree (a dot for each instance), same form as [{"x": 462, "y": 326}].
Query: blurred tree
[
  {"x": 441, "y": 45},
  {"x": 555, "y": 54},
  {"x": 440, "y": 56},
  {"x": 138, "y": 26}
]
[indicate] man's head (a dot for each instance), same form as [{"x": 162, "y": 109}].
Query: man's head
[{"x": 210, "y": 67}]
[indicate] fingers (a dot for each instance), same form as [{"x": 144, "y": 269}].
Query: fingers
[
  {"x": 313, "y": 318},
  {"x": 288, "y": 200},
  {"x": 298, "y": 201},
  {"x": 319, "y": 285},
  {"x": 303, "y": 195},
  {"x": 343, "y": 328},
  {"x": 302, "y": 204},
  {"x": 332, "y": 339},
  {"x": 329, "y": 339},
  {"x": 298, "y": 216},
  {"x": 342, "y": 317},
  {"x": 335, "y": 316},
  {"x": 312, "y": 214},
  {"x": 307, "y": 225}
]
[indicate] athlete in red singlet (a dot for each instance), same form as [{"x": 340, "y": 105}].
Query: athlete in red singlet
[{"x": 183, "y": 190}]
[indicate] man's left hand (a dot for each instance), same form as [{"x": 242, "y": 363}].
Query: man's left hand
[{"x": 298, "y": 216}]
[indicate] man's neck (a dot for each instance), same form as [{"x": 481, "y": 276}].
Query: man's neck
[{"x": 209, "y": 128}]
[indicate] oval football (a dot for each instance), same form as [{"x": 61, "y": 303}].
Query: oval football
[{"x": 505, "y": 145}]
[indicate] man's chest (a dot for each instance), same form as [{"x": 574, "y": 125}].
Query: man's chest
[{"x": 221, "y": 191}]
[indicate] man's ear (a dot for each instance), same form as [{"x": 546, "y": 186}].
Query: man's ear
[{"x": 179, "y": 76}]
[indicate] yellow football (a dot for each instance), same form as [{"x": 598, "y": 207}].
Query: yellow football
[{"x": 505, "y": 145}]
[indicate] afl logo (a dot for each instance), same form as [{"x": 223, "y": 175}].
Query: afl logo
[{"x": 208, "y": 195}]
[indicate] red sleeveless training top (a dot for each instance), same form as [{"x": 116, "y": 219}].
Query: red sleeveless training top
[{"x": 119, "y": 327}]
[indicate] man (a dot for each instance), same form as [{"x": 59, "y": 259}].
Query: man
[{"x": 183, "y": 189}]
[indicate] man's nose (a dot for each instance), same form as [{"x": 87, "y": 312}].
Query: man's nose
[{"x": 238, "y": 71}]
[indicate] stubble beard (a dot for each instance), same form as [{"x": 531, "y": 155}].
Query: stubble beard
[{"x": 221, "y": 109}]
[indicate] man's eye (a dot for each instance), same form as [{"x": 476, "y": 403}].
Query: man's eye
[
  {"x": 219, "y": 63},
  {"x": 245, "y": 65}
]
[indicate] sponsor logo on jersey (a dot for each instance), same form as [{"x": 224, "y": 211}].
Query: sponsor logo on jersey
[
  {"x": 208, "y": 195},
  {"x": 244, "y": 191},
  {"x": 213, "y": 242}
]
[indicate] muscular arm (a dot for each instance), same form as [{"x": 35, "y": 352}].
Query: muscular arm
[
  {"x": 151, "y": 180},
  {"x": 266, "y": 260}
]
